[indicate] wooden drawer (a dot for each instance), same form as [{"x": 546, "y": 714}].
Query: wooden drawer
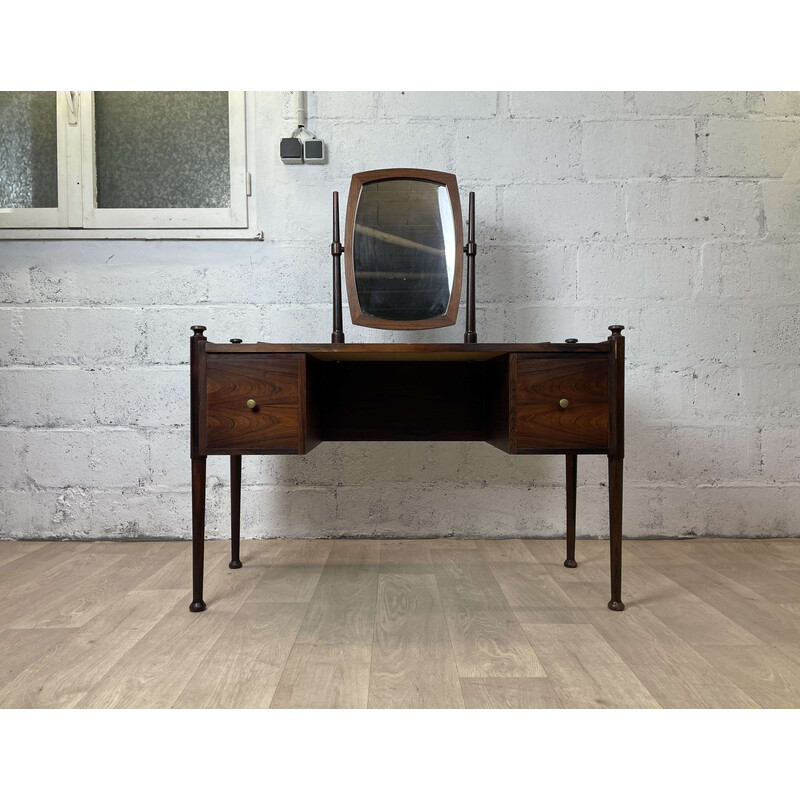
[
  {"x": 273, "y": 381},
  {"x": 541, "y": 422}
]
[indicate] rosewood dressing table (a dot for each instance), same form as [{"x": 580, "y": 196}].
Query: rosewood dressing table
[{"x": 403, "y": 244}]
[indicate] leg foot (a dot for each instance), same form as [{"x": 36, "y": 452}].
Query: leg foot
[
  {"x": 571, "y": 563},
  {"x": 235, "y": 564},
  {"x": 616, "y": 605},
  {"x": 197, "y": 605}
]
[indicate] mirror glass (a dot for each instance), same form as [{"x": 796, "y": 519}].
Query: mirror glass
[{"x": 404, "y": 249}]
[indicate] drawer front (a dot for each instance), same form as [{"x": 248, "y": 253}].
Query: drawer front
[
  {"x": 273, "y": 382},
  {"x": 542, "y": 383}
]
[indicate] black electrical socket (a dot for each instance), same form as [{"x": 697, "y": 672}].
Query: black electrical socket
[
  {"x": 291, "y": 151},
  {"x": 314, "y": 151}
]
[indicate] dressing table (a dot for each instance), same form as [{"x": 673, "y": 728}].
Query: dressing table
[{"x": 403, "y": 248}]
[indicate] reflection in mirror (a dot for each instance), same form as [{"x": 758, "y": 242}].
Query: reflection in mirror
[{"x": 404, "y": 249}]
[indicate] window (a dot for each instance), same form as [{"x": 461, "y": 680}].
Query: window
[{"x": 124, "y": 165}]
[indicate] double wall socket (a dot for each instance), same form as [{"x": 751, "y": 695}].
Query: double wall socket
[{"x": 299, "y": 151}]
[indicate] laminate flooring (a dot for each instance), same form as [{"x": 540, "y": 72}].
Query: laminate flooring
[{"x": 441, "y": 623}]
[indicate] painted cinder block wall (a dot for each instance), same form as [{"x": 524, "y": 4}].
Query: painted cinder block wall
[{"x": 675, "y": 214}]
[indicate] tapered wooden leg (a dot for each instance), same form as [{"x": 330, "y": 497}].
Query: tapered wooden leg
[
  {"x": 615, "y": 525},
  {"x": 572, "y": 492},
  {"x": 198, "y": 531},
  {"x": 236, "y": 508}
]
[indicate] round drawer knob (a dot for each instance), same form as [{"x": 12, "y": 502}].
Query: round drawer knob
[
  {"x": 563, "y": 402},
  {"x": 251, "y": 403}
]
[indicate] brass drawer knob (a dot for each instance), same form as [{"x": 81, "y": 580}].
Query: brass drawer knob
[
  {"x": 251, "y": 403},
  {"x": 563, "y": 402}
]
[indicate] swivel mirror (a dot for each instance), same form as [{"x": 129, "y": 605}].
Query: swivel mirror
[{"x": 403, "y": 249}]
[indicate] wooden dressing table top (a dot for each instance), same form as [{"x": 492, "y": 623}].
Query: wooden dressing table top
[{"x": 393, "y": 351}]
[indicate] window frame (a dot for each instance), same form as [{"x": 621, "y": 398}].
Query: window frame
[{"x": 77, "y": 215}]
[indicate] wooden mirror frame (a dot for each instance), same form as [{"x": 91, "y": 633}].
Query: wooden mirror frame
[{"x": 357, "y": 315}]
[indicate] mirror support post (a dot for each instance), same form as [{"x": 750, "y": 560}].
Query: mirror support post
[
  {"x": 337, "y": 335},
  {"x": 470, "y": 335}
]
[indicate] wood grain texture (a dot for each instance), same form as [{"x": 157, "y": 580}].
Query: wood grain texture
[
  {"x": 768, "y": 621},
  {"x": 778, "y": 586},
  {"x": 540, "y": 420},
  {"x": 11, "y": 551},
  {"x": 642, "y": 638},
  {"x": 169, "y": 653},
  {"x": 693, "y": 620},
  {"x": 585, "y": 670},
  {"x": 46, "y": 590},
  {"x": 509, "y": 693},
  {"x": 670, "y": 692},
  {"x": 405, "y": 556},
  {"x": 178, "y": 564},
  {"x": 774, "y": 554},
  {"x": 67, "y": 672},
  {"x": 413, "y": 665},
  {"x": 35, "y": 565},
  {"x": 290, "y": 570},
  {"x": 325, "y": 676},
  {"x": 342, "y": 610},
  {"x": 505, "y": 551},
  {"x": 486, "y": 636},
  {"x": 403, "y": 619},
  {"x": 273, "y": 381},
  {"x": 413, "y": 351},
  {"x": 124, "y": 570},
  {"x": 244, "y": 666},
  {"x": 534, "y": 596},
  {"x": 592, "y": 558},
  {"x": 20, "y": 648},
  {"x": 763, "y": 672},
  {"x": 793, "y": 607}
]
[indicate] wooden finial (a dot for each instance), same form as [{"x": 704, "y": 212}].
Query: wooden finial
[
  {"x": 198, "y": 331},
  {"x": 616, "y": 330}
]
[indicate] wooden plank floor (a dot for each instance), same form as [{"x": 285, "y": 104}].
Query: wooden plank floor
[{"x": 710, "y": 623}]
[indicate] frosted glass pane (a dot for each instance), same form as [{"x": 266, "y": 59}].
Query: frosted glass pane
[
  {"x": 28, "y": 150},
  {"x": 162, "y": 150}
]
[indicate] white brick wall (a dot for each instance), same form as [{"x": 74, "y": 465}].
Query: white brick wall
[
  {"x": 639, "y": 148},
  {"x": 674, "y": 213},
  {"x": 752, "y": 148}
]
